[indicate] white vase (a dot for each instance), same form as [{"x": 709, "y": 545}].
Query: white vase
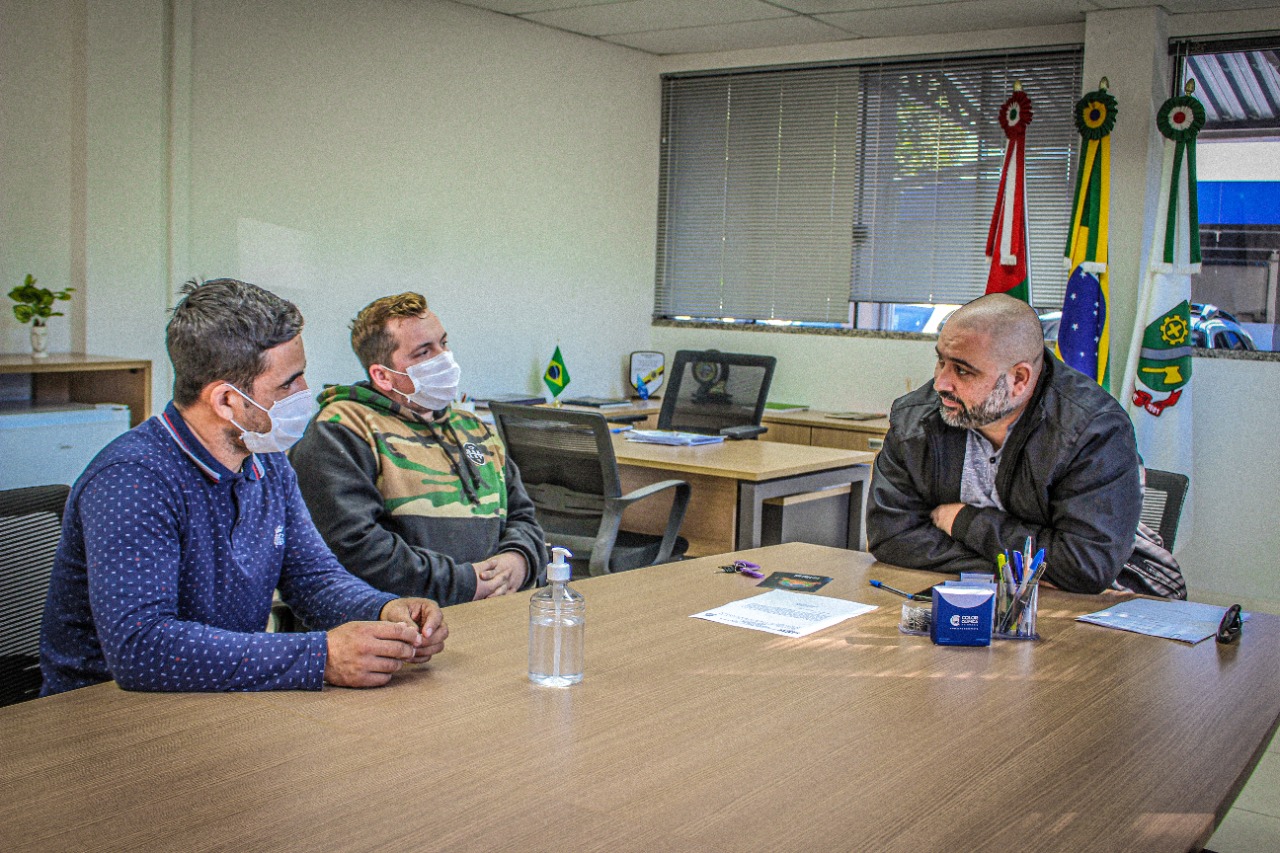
[{"x": 39, "y": 341}]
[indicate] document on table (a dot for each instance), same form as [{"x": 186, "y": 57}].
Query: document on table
[
  {"x": 679, "y": 439},
  {"x": 791, "y": 614},
  {"x": 1186, "y": 621}
]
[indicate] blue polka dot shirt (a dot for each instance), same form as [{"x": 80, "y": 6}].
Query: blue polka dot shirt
[{"x": 166, "y": 568}]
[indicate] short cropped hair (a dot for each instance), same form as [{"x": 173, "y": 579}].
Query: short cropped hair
[
  {"x": 220, "y": 332},
  {"x": 370, "y": 339}
]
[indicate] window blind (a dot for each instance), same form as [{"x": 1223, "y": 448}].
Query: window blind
[
  {"x": 757, "y": 192},
  {"x": 931, "y": 149}
]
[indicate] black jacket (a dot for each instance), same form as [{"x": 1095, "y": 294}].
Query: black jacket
[{"x": 1068, "y": 478}]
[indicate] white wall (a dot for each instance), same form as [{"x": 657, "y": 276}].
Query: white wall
[
  {"x": 343, "y": 151},
  {"x": 333, "y": 152},
  {"x": 36, "y": 57}
]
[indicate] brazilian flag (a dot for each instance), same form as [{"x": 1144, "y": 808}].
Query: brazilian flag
[{"x": 557, "y": 375}]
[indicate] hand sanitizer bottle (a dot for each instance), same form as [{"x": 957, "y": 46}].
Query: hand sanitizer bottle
[{"x": 556, "y": 627}]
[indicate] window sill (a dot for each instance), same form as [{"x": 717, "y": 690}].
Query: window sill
[
  {"x": 793, "y": 330},
  {"x": 872, "y": 334}
]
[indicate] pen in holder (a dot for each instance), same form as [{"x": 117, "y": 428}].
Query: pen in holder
[
  {"x": 1016, "y": 612},
  {"x": 1018, "y": 594}
]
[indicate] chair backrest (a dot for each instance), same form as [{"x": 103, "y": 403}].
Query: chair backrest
[
  {"x": 30, "y": 527},
  {"x": 709, "y": 390},
  {"x": 1162, "y": 501},
  {"x": 566, "y": 461}
]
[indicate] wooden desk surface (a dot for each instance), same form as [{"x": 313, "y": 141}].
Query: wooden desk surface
[
  {"x": 752, "y": 461},
  {"x": 878, "y": 426},
  {"x": 67, "y": 362},
  {"x": 684, "y": 736}
]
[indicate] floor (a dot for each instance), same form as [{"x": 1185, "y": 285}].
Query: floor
[{"x": 1253, "y": 824}]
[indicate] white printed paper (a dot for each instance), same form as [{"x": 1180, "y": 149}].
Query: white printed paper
[
  {"x": 1186, "y": 621},
  {"x": 791, "y": 614}
]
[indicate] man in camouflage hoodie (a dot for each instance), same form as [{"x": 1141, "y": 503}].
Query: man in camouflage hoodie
[{"x": 411, "y": 494}]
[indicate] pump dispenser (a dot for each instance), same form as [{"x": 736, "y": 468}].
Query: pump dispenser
[{"x": 557, "y": 624}]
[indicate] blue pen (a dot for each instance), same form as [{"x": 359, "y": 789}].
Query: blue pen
[
  {"x": 617, "y": 430},
  {"x": 1035, "y": 563},
  {"x": 1017, "y": 566}
]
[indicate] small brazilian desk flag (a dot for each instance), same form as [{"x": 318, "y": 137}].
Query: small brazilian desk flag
[
  {"x": 1158, "y": 375},
  {"x": 557, "y": 375},
  {"x": 1007, "y": 237},
  {"x": 1084, "y": 335}
]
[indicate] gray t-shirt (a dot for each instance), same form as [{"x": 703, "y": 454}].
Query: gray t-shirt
[{"x": 978, "y": 480}]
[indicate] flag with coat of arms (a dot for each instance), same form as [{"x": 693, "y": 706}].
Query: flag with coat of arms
[
  {"x": 1007, "y": 237},
  {"x": 557, "y": 375},
  {"x": 1158, "y": 373},
  {"x": 1084, "y": 335}
]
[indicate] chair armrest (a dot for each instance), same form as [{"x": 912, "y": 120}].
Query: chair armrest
[
  {"x": 679, "y": 503},
  {"x": 649, "y": 491}
]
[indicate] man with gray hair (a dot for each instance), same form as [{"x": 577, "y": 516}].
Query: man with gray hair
[
  {"x": 1006, "y": 443},
  {"x": 177, "y": 533}
]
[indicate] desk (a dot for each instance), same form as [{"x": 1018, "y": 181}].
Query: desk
[
  {"x": 730, "y": 483},
  {"x": 78, "y": 378},
  {"x": 684, "y": 736},
  {"x": 819, "y": 428}
]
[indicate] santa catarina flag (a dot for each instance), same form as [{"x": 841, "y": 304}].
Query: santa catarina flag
[
  {"x": 1158, "y": 374},
  {"x": 1007, "y": 237},
  {"x": 557, "y": 375},
  {"x": 1084, "y": 336}
]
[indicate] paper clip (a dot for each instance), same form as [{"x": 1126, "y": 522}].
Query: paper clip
[{"x": 743, "y": 567}]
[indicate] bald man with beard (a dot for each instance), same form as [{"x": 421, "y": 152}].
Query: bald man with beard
[{"x": 1006, "y": 442}]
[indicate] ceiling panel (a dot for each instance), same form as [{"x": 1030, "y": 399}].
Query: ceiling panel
[
  {"x": 771, "y": 33},
  {"x": 960, "y": 17},
  {"x": 517, "y": 7},
  {"x": 707, "y": 26},
  {"x": 645, "y": 15}
]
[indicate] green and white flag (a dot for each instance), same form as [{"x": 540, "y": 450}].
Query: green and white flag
[{"x": 1158, "y": 377}]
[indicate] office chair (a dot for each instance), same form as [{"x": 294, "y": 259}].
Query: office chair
[
  {"x": 713, "y": 392},
  {"x": 30, "y": 527},
  {"x": 569, "y": 469},
  {"x": 1162, "y": 500}
]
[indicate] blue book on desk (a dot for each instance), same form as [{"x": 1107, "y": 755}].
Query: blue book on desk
[{"x": 681, "y": 439}]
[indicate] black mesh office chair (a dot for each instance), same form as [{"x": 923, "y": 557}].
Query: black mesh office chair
[
  {"x": 1162, "y": 501},
  {"x": 713, "y": 392},
  {"x": 30, "y": 527},
  {"x": 567, "y": 462}
]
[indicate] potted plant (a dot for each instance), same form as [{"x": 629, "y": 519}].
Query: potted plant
[{"x": 35, "y": 305}]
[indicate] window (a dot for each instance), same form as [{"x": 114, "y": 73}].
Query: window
[
  {"x": 1238, "y": 188},
  {"x": 786, "y": 196}
]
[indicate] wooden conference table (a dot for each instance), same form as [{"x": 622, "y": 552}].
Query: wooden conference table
[
  {"x": 684, "y": 736},
  {"x": 732, "y": 480}
]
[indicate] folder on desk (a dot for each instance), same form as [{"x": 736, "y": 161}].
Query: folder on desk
[
  {"x": 682, "y": 439},
  {"x": 603, "y": 403}
]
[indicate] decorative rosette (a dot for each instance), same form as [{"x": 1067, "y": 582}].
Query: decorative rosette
[
  {"x": 1095, "y": 114},
  {"x": 1181, "y": 118},
  {"x": 1015, "y": 114}
]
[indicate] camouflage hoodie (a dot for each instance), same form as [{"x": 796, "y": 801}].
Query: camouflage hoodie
[{"x": 408, "y": 503}]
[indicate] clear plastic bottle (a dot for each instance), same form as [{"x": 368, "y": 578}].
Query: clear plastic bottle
[{"x": 557, "y": 615}]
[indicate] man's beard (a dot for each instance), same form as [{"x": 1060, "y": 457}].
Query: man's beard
[{"x": 996, "y": 406}]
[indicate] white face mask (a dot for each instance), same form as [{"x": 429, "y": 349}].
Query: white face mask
[
  {"x": 435, "y": 381},
  {"x": 289, "y": 417}
]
